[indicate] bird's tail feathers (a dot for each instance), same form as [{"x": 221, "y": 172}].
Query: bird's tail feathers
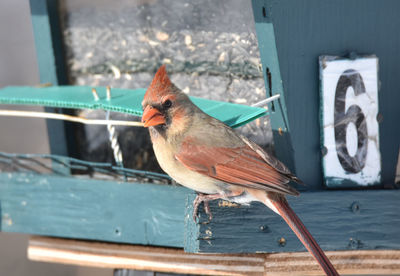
[{"x": 282, "y": 207}]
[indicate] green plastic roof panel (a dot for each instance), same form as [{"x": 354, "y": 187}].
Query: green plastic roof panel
[{"x": 122, "y": 100}]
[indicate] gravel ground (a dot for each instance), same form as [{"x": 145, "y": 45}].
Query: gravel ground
[{"x": 210, "y": 48}]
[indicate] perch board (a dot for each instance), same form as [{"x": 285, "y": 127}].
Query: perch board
[{"x": 150, "y": 214}]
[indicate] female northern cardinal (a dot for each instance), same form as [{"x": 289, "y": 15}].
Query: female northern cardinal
[{"x": 203, "y": 154}]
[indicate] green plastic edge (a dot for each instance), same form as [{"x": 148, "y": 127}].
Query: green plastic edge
[{"x": 122, "y": 100}]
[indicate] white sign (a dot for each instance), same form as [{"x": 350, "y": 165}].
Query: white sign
[{"x": 349, "y": 131}]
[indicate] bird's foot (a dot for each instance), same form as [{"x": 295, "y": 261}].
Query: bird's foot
[{"x": 205, "y": 199}]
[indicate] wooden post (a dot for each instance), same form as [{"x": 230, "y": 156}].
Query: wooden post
[
  {"x": 273, "y": 83},
  {"x": 50, "y": 59}
]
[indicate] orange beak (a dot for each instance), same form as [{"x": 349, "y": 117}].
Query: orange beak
[{"x": 152, "y": 117}]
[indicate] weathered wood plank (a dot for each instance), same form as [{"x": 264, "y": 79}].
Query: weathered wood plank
[
  {"x": 95, "y": 210},
  {"x": 154, "y": 214},
  {"x": 176, "y": 261},
  {"x": 339, "y": 220}
]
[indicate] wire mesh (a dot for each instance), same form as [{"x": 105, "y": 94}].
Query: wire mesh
[{"x": 72, "y": 167}]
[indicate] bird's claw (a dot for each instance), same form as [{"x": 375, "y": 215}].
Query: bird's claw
[
  {"x": 205, "y": 198},
  {"x": 208, "y": 210},
  {"x": 197, "y": 201}
]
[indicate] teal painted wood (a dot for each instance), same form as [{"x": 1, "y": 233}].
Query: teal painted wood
[
  {"x": 339, "y": 220},
  {"x": 95, "y": 210},
  {"x": 155, "y": 215},
  {"x": 50, "y": 62},
  {"x": 273, "y": 83},
  {"x": 43, "y": 42},
  {"x": 306, "y": 29},
  {"x": 192, "y": 229}
]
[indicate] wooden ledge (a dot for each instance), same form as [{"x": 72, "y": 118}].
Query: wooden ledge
[{"x": 109, "y": 255}]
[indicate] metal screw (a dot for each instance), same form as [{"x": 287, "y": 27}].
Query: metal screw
[
  {"x": 355, "y": 244},
  {"x": 282, "y": 242},
  {"x": 352, "y": 243},
  {"x": 355, "y": 207},
  {"x": 265, "y": 229}
]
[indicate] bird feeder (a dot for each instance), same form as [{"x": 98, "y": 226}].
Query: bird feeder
[{"x": 149, "y": 225}]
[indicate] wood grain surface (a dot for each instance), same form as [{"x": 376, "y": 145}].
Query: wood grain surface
[{"x": 176, "y": 261}]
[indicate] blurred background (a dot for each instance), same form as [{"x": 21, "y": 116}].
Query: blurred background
[{"x": 122, "y": 44}]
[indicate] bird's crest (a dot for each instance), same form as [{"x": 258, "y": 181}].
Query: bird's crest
[{"x": 160, "y": 86}]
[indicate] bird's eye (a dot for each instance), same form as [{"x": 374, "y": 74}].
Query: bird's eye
[{"x": 167, "y": 104}]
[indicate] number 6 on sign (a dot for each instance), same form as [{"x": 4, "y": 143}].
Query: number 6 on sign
[{"x": 349, "y": 128}]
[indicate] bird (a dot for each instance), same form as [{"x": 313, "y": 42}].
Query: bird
[{"x": 204, "y": 154}]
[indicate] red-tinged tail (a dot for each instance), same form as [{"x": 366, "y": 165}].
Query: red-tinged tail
[{"x": 302, "y": 233}]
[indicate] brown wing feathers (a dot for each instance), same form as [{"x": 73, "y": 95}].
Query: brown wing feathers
[{"x": 240, "y": 166}]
